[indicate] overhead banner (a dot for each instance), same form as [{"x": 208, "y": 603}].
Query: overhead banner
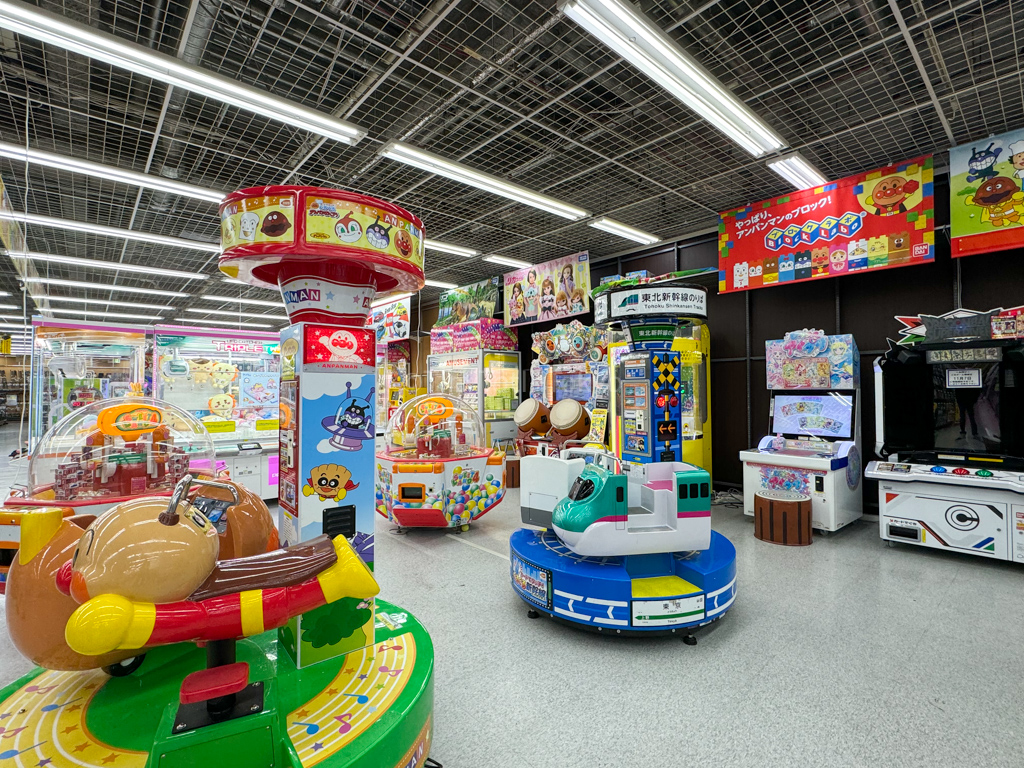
[
  {"x": 870, "y": 221},
  {"x": 468, "y": 303},
  {"x": 986, "y": 194},
  {"x": 550, "y": 291},
  {"x": 390, "y": 321}
]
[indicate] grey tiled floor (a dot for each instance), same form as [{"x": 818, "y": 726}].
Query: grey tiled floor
[{"x": 845, "y": 653}]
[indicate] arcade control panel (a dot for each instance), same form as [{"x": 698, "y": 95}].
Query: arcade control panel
[
  {"x": 651, "y": 412},
  {"x": 972, "y": 510}
]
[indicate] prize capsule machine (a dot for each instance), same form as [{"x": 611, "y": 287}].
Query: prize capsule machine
[
  {"x": 77, "y": 363},
  {"x": 436, "y": 470},
  {"x": 105, "y": 453},
  {"x": 230, "y": 381},
  {"x": 661, "y": 376},
  {"x": 813, "y": 441},
  {"x": 330, "y": 252},
  {"x": 949, "y": 427}
]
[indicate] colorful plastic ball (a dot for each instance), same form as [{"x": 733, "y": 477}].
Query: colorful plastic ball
[
  {"x": 460, "y": 508},
  {"x": 489, "y": 477}
]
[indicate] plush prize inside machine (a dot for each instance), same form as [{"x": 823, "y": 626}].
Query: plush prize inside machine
[{"x": 184, "y": 628}]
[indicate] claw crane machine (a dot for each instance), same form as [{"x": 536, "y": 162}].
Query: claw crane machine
[
  {"x": 230, "y": 380},
  {"x": 75, "y": 363}
]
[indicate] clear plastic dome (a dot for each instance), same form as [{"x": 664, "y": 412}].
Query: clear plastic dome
[
  {"x": 113, "y": 449},
  {"x": 435, "y": 427}
]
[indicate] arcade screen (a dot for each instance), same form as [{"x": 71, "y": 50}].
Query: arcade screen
[
  {"x": 965, "y": 407},
  {"x": 828, "y": 415},
  {"x": 574, "y": 386}
]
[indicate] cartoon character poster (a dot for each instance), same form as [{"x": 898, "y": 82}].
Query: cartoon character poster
[
  {"x": 550, "y": 291},
  {"x": 869, "y": 221},
  {"x": 258, "y": 389},
  {"x": 468, "y": 303},
  {"x": 986, "y": 194},
  {"x": 390, "y": 322}
]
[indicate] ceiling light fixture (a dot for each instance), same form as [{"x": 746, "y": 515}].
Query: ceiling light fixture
[
  {"x": 455, "y": 250},
  {"x": 427, "y": 161},
  {"x": 130, "y": 304},
  {"x": 102, "y": 287},
  {"x": 255, "y": 302},
  {"x": 389, "y": 299},
  {"x": 9, "y": 306},
  {"x": 508, "y": 261},
  {"x": 620, "y": 26},
  {"x": 201, "y": 311},
  {"x": 795, "y": 169},
  {"x": 63, "y": 33},
  {"x": 112, "y": 265},
  {"x": 100, "y": 229},
  {"x": 101, "y": 313},
  {"x": 618, "y": 228},
  {"x": 440, "y": 284},
  {"x": 109, "y": 172},
  {"x": 12, "y": 318},
  {"x": 194, "y": 321}
]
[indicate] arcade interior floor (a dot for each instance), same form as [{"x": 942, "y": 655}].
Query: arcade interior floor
[{"x": 821, "y": 641}]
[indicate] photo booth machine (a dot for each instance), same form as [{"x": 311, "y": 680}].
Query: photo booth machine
[{"x": 949, "y": 426}]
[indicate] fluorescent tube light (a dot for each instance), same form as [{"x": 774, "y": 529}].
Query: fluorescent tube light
[
  {"x": 12, "y": 318},
  {"x": 201, "y": 311},
  {"x": 75, "y": 300},
  {"x": 455, "y": 250},
  {"x": 389, "y": 299},
  {"x": 620, "y": 26},
  {"x": 427, "y": 161},
  {"x": 795, "y": 169},
  {"x": 618, "y": 228},
  {"x": 255, "y": 302},
  {"x": 440, "y": 284},
  {"x": 72, "y": 36},
  {"x": 111, "y": 265},
  {"x": 508, "y": 261},
  {"x": 109, "y": 172},
  {"x": 194, "y": 321},
  {"x": 102, "y": 287},
  {"x": 9, "y": 306},
  {"x": 101, "y": 313},
  {"x": 100, "y": 229}
]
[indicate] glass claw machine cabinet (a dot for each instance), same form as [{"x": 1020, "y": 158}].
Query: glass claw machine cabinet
[
  {"x": 486, "y": 379},
  {"x": 75, "y": 363},
  {"x": 230, "y": 380}
]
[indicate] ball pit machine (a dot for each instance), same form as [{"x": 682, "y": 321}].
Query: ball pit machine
[{"x": 284, "y": 658}]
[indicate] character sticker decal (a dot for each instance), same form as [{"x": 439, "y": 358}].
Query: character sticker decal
[{"x": 331, "y": 482}]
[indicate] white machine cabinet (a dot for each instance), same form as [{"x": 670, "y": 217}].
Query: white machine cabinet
[{"x": 813, "y": 441}]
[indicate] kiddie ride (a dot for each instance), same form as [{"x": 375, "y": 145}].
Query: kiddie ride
[
  {"x": 434, "y": 472},
  {"x": 629, "y": 547},
  {"x": 344, "y": 681}
]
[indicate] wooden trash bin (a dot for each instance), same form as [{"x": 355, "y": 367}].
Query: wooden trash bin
[
  {"x": 783, "y": 517},
  {"x": 512, "y": 472}
]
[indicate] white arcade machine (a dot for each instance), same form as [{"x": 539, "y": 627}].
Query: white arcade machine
[
  {"x": 813, "y": 441},
  {"x": 950, "y": 430}
]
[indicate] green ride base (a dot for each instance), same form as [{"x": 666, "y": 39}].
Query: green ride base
[{"x": 370, "y": 709}]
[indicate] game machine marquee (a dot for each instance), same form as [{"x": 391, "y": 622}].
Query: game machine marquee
[
  {"x": 813, "y": 441},
  {"x": 662, "y": 379},
  {"x": 949, "y": 422}
]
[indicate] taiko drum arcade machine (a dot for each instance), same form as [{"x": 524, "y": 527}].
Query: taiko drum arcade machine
[
  {"x": 301, "y": 666},
  {"x": 628, "y": 547}
]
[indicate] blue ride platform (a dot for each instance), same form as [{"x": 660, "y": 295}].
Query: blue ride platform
[{"x": 636, "y": 594}]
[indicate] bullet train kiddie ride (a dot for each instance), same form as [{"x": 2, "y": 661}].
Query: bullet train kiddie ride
[
  {"x": 627, "y": 546},
  {"x": 950, "y": 431}
]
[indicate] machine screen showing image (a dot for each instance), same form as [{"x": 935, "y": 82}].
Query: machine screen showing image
[
  {"x": 574, "y": 386},
  {"x": 828, "y": 415},
  {"x": 966, "y": 407}
]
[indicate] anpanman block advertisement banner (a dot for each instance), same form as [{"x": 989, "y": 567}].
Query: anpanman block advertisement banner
[
  {"x": 870, "y": 221},
  {"x": 986, "y": 199}
]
